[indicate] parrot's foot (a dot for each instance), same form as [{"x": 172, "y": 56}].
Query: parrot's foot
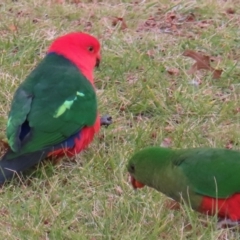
[
  {"x": 106, "y": 120},
  {"x": 227, "y": 223}
]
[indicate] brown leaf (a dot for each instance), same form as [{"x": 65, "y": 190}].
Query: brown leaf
[
  {"x": 230, "y": 11},
  {"x": 154, "y": 135},
  {"x": 121, "y": 21},
  {"x": 190, "y": 18},
  {"x": 122, "y": 108},
  {"x": 167, "y": 142},
  {"x": 217, "y": 73},
  {"x": 12, "y": 28},
  {"x": 46, "y": 221},
  {"x": 203, "y": 24},
  {"x": 170, "y": 17},
  {"x": 150, "y": 53},
  {"x": 202, "y": 62},
  {"x": 173, "y": 71},
  {"x": 188, "y": 227},
  {"x": 35, "y": 20}
]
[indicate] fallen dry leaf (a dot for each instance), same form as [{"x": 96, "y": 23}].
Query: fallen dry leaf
[
  {"x": 150, "y": 53},
  {"x": 117, "y": 20},
  {"x": 230, "y": 11},
  {"x": 153, "y": 135},
  {"x": 217, "y": 73},
  {"x": 190, "y": 18},
  {"x": 202, "y": 62},
  {"x": 167, "y": 142},
  {"x": 171, "y": 16},
  {"x": 12, "y": 28},
  {"x": 173, "y": 71},
  {"x": 188, "y": 227},
  {"x": 203, "y": 24}
]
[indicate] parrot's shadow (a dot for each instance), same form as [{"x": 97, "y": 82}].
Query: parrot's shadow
[{"x": 46, "y": 169}]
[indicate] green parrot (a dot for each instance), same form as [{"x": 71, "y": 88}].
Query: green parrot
[
  {"x": 207, "y": 179},
  {"x": 54, "y": 111}
]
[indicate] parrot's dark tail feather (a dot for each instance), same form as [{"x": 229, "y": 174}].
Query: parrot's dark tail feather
[{"x": 15, "y": 166}]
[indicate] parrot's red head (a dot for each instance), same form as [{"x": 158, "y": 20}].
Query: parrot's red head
[{"x": 81, "y": 49}]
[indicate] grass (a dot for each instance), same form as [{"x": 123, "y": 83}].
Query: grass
[{"x": 90, "y": 198}]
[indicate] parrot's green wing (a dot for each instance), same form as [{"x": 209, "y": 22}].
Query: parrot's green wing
[
  {"x": 21, "y": 106},
  {"x": 53, "y": 103},
  {"x": 210, "y": 172}
]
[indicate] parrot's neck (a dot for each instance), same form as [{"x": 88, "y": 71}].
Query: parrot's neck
[
  {"x": 88, "y": 73},
  {"x": 81, "y": 61},
  {"x": 82, "y": 64}
]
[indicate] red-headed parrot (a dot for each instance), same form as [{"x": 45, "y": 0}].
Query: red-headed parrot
[
  {"x": 207, "y": 179},
  {"x": 54, "y": 111}
]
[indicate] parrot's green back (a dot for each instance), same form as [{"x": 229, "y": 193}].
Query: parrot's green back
[
  {"x": 50, "y": 122},
  {"x": 192, "y": 172}
]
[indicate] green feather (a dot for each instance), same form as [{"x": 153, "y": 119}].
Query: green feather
[
  {"x": 56, "y": 100},
  {"x": 66, "y": 105}
]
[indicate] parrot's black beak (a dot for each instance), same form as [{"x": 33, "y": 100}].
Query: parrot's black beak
[{"x": 98, "y": 60}]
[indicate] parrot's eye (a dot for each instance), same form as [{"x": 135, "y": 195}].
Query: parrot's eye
[
  {"x": 90, "y": 49},
  {"x": 132, "y": 168}
]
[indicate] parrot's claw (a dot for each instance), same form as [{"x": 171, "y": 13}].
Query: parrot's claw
[
  {"x": 106, "y": 120},
  {"x": 223, "y": 223}
]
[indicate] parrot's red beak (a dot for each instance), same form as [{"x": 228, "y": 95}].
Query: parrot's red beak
[{"x": 135, "y": 183}]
